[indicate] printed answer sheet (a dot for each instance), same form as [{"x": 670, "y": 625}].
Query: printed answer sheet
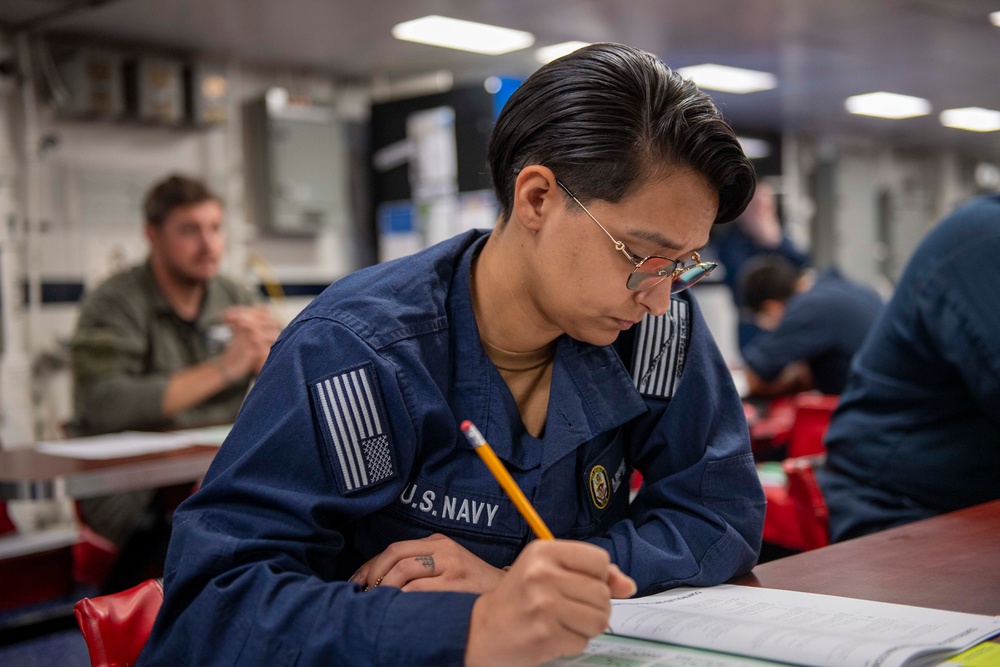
[
  {"x": 611, "y": 651},
  {"x": 801, "y": 628}
]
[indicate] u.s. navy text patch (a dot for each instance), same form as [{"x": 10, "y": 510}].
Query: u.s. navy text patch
[
  {"x": 660, "y": 349},
  {"x": 350, "y": 412}
]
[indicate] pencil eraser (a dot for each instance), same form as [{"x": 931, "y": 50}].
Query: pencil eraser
[{"x": 465, "y": 425}]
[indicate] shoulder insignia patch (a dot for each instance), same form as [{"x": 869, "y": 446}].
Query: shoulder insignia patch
[
  {"x": 351, "y": 415},
  {"x": 660, "y": 351}
]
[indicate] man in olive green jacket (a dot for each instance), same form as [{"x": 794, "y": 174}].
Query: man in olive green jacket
[{"x": 166, "y": 344}]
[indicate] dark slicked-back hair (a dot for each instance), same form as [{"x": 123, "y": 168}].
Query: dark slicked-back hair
[
  {"x": 608, "y": 118},
  {"x": 767, "y": 277},
  {"x": 173, "y": 192}
]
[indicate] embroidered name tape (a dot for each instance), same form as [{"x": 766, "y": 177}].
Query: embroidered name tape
[
  {"x": 660, "y": 351},
  {"x": 352, "y": 417}
]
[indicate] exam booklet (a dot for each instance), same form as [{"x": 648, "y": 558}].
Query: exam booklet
[{"x": 800, "y": 628}]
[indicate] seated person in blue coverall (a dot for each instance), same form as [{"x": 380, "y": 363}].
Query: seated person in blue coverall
[
  {"x": 757, "y": 232},
  {"x": 917, "y": 430},
  {"x": 811, "y": 327},
  {"x": 347, "y": 521}
]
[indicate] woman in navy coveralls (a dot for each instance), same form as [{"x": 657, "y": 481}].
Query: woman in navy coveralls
[{"x": 346, "y": 520}]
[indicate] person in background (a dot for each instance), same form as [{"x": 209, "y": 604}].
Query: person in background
[
  {"x": 811, "y": 326},
  {"x": 757, "y": 232},
  {"x": 166, "y": 344},
  {"x": 917, "y": 430},
  {"x": 346, "y": 520}
]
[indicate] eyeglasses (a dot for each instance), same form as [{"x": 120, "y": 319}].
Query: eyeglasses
[{"x": 652, "y": 270}]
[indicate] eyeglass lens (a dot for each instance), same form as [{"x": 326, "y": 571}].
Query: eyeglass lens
[
  {"x": 655, "y": 270},
  {"x": 652, "y": 271},
  {"x": 690, "y": 276}
]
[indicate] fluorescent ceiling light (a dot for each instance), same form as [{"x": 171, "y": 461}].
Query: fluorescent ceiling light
[
  {"x": 754, "y": 148},
  {"x": 995, "y": 19},
  {"x": 463, "y": 35},
  {"x": 971, "y": 118},
  {"x": 547, "y": 54},
  {"x": 384, "y": 89},
  {"x": 729, "y": 79},
  {"x": 888, "y": 105}
]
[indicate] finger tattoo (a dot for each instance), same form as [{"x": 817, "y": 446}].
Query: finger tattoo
[{"x": 426, "y": 561}]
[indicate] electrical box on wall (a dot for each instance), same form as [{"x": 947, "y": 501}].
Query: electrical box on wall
[
  {"x": 206, "y": 94},
  {"x": 85, "y": 82},
  {"x": 296, "y": 166},
  {"x": 154, "y": 90},
  {"x": 93, "y": 82}
]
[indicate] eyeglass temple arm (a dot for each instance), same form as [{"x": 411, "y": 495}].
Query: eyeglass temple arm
[{"x": 619, "y": 246}]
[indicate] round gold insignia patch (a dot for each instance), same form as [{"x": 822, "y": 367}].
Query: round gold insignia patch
[{"x": 600, "y": 487}]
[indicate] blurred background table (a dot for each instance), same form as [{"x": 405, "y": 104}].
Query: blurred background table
[{"x": 29, "y": 474}]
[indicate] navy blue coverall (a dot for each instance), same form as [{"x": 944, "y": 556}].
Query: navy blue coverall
[{"x": 350, "y": 441}]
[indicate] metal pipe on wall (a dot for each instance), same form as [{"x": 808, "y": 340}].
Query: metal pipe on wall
[
  {"x": 32, "y": 192},
  {"x": 16, "y": 413}
]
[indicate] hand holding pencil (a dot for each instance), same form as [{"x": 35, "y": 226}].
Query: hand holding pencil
[{"x": 556, "y": 596}]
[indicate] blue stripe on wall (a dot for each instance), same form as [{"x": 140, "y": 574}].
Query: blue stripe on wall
[{"x": 72, "y": 292}]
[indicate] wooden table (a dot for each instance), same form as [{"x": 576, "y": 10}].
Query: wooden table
[
  {"x": 948, "y": 562},
  {"x": 26, "y": 474}
]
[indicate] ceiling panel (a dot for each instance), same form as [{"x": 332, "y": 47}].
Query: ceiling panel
[{"x": 822, "y": 51}]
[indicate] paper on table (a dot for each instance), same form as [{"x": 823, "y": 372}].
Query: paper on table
[
  {"x": 207, "y": 435},
  {"x": 116, "y": 445},
  {"x": 801, "y": 628},
  {"x": 611, "y": 651}
]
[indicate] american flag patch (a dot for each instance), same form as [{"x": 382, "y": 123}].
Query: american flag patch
[
  {"x": 353, "y": 423},
  {"x": 660, "y": 351}
]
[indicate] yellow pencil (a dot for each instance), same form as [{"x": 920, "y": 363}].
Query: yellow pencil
[{"x": 507, "y": 482}]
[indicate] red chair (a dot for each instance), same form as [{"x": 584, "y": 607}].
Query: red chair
[
  {"x": 796, "y": 516},
  {"x": 797, "y": 422},
  {"x": 117, "y": 626},
  {"x": 812, "y": 418},
  {"x": 94, "y": 556},
  {"x": 6, "y": 525},
  {"x": 35, "y": 567},
  {"x": 771, "y": 429}
]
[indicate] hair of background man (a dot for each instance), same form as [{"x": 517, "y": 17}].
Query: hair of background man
[
  {"x": 174, "y": 192},
  {"x": 608, "y": 118},
  {"x": 767, "y": 277}
]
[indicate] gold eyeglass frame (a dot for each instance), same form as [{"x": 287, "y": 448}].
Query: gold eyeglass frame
[{"x": 664, "y": 273}]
